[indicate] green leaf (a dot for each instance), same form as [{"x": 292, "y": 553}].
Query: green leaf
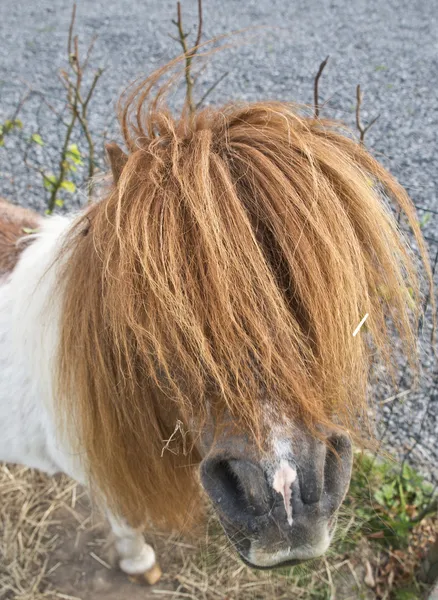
[
  {"x": 68, "y": 186},
  {"x": 59, "y": 202},
  {"x": 2, "y": 142},
  {"x": 386, "y": 494},
  {"x": 49, "y": 181},
  {"x": 18, "y": 124},
  {"x": 73, "y": 148},
  {"x": 379, "y": 496},
  {"x": 402, "y": 496},
  {"x": 37, "y": 139},
  {"x": 74, "y": 154},
  {"x": 389, "y": 490},
  {"x": 47, "y": 211},
  {"x": 425, "y": 220},
  {"x": 69, "y": 166},
  {"x": 29, "y": 230}
]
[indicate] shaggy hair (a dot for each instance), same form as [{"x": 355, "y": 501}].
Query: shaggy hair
[{"x": 224, "y": 274}]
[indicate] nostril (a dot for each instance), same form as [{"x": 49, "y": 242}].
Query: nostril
[
  {"x": 228, "y": 482},
  {"x": 337, "y": 470},
  {"x": 325, "y": 470},
  {"x": 237, "y": 488},
  {"x": 311, "y": 473}
]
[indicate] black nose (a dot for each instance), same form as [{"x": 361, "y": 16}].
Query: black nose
[
  {"x": 241, "y": 490},
  {"x": 238, "y": 488}
]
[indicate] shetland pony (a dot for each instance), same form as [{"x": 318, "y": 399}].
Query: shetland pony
[{"x": 193, "y": 329}]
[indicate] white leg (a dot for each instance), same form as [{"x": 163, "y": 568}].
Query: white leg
[{"x": 136, "y": 557}]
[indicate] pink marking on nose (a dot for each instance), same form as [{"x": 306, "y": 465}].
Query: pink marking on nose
[{"x": 284, "y": 477}]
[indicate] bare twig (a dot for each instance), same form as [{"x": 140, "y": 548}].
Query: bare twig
[
  {"x": 32, "y": 91},
  {"x": 97, "y": 76},
  {"x": 315, "y": 86},
  {"x": 198, "y": 37},
  {"x": 211, "y": 88},
  {"x": 83, "y": 119},
  {"x": 70, "y": 30},
  {"x": 20, "y": 105},
  {"x": 73, "y": 59},
  {"x": 189, "y": 53},
  {"x": 89, "y": 51},
  {"x": 359, "y": 125},
  {"x": 78, "y": 106}
]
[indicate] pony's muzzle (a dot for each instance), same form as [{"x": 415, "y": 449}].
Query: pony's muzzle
[{"x": 279, "y": 511}]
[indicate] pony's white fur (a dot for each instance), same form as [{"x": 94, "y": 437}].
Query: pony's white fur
[
  {"x": 29, "y": 321},
  {"x": 29, "y": 334}
]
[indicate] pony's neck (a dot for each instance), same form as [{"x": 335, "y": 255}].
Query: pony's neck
[{"x": 34, "y": 307}]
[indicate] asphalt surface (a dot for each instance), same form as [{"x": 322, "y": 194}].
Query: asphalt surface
[{"x": 390, "y": 47}]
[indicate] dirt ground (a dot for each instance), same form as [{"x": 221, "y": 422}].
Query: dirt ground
[
  {"x": 55, "y": 545},
  {"x": 84, "y": 564},
  {"x": 85, "y": 567}
]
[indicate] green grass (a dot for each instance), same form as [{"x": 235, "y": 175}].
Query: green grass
[
  {"x": 386, "y": 498},
  {"x": 375, "y": 526}
]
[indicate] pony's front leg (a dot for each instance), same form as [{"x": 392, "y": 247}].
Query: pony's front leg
[{"x": 136, "y": 558}]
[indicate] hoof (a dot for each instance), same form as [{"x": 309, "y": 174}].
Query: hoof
[{"x": 149, "y": 577}]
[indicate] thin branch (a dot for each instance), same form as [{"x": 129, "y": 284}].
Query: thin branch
[
  {"x": 97, "y": 76},
  {"x": 182, "y": 41},
  {"x": 62, "y": 163},
  {"x": 189, "y": 53},
  {"x": 73, "y": 117},
  {"x": 211, "y": 88},
  {"x": 83, "y": 119},
  {"x": 198, "y": 37},
  {"x": 316, "y": 85},
  {"x": 362, "y": 130},
  {"x": 34, "y": 92},
  {"x": 74, "y": 58},
  {"x": 20, "y": 105},
  {"x": 78, "y": 109},
  {"x": 70, "y": 29},
  {"x": 73, "y": 98},
  {"x": 89, "y": 51}
]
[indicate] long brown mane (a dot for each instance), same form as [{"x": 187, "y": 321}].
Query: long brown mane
[{"x": 227, "y": 269}]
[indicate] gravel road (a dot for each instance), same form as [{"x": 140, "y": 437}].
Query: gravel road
[{"x": 390, "y": 48}]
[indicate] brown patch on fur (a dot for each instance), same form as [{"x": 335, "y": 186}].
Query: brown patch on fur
[
  {"x": 14, "y": 220},
  {"x": 226, "y": 271}
]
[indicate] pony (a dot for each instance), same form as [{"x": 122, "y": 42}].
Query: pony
[{"x": 190, "y": 333}]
